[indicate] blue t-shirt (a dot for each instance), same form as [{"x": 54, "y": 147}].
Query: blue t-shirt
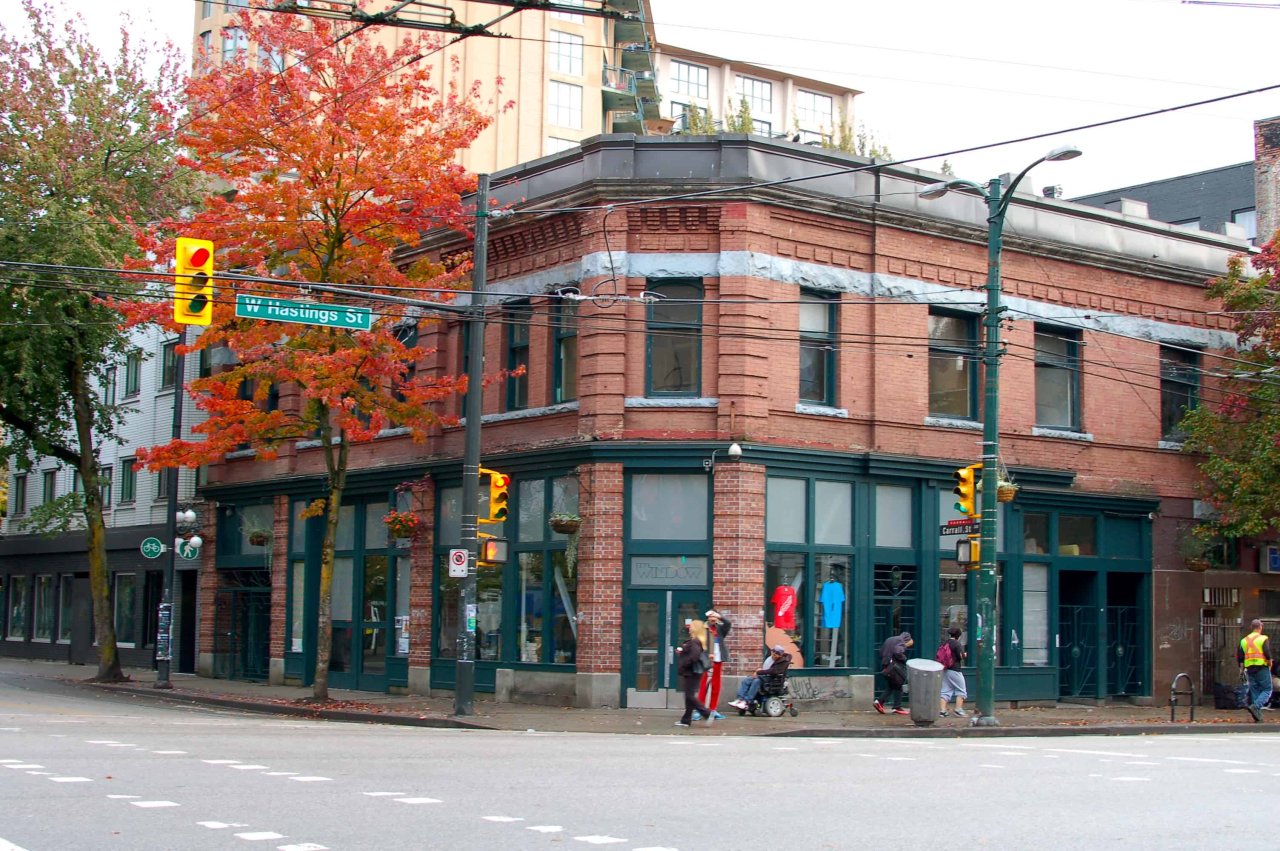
[{"x": 832, "y": 599}]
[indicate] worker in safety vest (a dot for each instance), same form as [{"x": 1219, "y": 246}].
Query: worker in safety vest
[{"x": 1255, "y": 655}]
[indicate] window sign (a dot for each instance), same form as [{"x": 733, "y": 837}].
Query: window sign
[
  {"x": 1077, "y": 536},
  {"x": 893, "y": 516},
  {"x": 669, "y": 507},
  {"x": 785, "y": 510},
  {"x": 833, "y": 513},
  {"x": 531, "y": 521},
  {"x": 1035, "y": 614},
  {"x": 669, "y": 572}
]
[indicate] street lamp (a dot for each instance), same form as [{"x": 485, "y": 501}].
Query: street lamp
[{"x": 998, "y": 199}]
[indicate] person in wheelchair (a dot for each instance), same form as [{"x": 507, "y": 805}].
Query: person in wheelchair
[{"x": 774, "y": 667}]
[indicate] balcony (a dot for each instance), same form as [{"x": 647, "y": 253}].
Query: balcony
[{"x": 618, "y": 88}]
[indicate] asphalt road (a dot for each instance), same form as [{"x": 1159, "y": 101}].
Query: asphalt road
[{"x": 83, "y": 769}]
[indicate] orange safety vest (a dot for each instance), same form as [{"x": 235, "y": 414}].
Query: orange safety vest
[{"x": 1251, "y": 644}]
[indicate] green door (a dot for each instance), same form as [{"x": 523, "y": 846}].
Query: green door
[
  {"x": 653, "y": 627},
  {"x": 362, "y": 621}
]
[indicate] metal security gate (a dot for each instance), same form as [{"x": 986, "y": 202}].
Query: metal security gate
[
  {"x": 895, "y": 592},
  {"x": 1077, "y": 653},
  {"x": 1124, "y": 676},
  {"x": 242, "y": 624}
]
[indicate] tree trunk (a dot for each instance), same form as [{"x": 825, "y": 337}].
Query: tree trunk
[
  {"x": 99, "y": 577},
  {"x": 324, "y": 607}
]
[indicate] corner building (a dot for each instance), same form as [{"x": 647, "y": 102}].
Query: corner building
[{"x": 831, "y": 328}]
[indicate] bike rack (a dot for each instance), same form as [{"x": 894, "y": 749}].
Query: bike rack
[{"x": 1174, "y": 694}]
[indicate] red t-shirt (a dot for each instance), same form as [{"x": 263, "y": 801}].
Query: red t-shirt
[{"x": 784, "y": 607}]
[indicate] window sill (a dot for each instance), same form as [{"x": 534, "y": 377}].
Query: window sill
[
  {"x": 1171, "y": 445},
  {"x": 671, "y": 402},
  {"x": 1062, "y": 434},
  {"x": 953, "y": 422},
  {"x": 822, "y": 411},
  {"x": 252, "y": 453},
  {"x": 526, "y": 413}
]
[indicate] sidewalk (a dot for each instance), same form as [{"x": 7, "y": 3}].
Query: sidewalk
[{"x": 412, "y": 710}]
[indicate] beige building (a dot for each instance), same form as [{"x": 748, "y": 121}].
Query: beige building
[{"x": 572, "y": 76}]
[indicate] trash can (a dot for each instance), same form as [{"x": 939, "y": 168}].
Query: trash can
[{"x": 924, "y": 679}]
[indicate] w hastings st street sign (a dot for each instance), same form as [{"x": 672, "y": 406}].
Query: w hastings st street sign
[{"x": 303, "y": 312}]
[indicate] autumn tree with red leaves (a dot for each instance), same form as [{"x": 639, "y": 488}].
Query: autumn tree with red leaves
[{"x": 334, "y": 165}]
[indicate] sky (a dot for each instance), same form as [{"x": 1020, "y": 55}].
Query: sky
[{"x": 939, "y": 76}]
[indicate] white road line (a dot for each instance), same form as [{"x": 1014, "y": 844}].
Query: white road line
[
  {"x": 312, "y": 779},
  {"x": 7, "y": 761},
  {"x": 259, "y": 835},
  {"x": 71, "y": 779},
  {"x": 990, "y": 765},
  {"x": 305, "y": 846},
  {"x": 1207, "y": 759},
  {"x": 101, "y": 742},
  {"x": 418, "y": 801},
  {"x": 1097, "y": 753},
  {"x": 598, "y": 840},
  {"x": 901, "y": 758},
  {"x": 120, "y": 745},
  {"x": 167, "y": 753},
  {"x": 282, "y": 774},
  {"x": 546, "y": 828},
  {"x": 6, "y": 845},
  {"x": 1051, "y": 756},
  {"x": 1141, "y": 762},
  {"x": 383, "y": 794},
  {"x": 1241, "y": 771},
  {"x": 502, "y": 819},
  {"x": 243, "y": 767},
  {"x": 997, "y": 745},
  {"x": 220, "y": 825},
  {"x": 786, "y": 749},
  {"x": 122, "y": 797},
  {"x": 147, "y": 805},
  {"x": 221, "y": 761},
  {"x": 40, "y": 773},
  {"x": 24, "y": 765}
]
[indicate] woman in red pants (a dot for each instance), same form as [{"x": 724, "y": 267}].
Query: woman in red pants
[{"x": 709, "y": 691}]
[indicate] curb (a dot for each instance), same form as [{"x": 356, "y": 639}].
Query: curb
[{"x": 352, "y": 715}]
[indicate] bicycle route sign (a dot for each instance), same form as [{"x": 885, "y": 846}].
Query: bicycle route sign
[{"x": 151, "y": 548}]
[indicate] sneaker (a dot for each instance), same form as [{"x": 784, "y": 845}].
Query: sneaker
[
  {"x": 901, "y": 711},
  {"x": 697, "y": 716},
  {"x": 960, "y": 713},
  {"x": 716, "y": 716},
  {"x": 681, "y": 724},
  {"x": 738, "y": 704},
  {"x": 1257, "y": 716},
  {"x": 711, "y": 720},
  {"x": 943, "y": 714},
  {"x": 879, "y": 706}
]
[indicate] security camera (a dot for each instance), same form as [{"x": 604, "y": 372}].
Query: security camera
[{"x": 735, "y": 452}]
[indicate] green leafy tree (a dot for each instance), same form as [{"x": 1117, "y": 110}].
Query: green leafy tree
[
  {"x": 740, "y": 121},
  {"x": 1238, "y": 434},
  {"x": 862, "y": 142},
  {"x": 84, "y": 145}
]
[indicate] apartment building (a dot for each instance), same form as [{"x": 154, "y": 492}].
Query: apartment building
[{"x": 829, "y": 327}]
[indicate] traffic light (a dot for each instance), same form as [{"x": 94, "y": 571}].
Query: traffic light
[
  {"x": 966, "y": 490},
  {"x": 493, "y": 551},
  {"x": 499, "y": 495},
  {"x": 193, "y": 282}
]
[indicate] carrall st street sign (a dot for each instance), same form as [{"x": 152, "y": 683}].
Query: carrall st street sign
[{"x": 303, "y": 312}]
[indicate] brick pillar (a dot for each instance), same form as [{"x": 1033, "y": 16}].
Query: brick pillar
[
  {"x": 421, "y": 574},
  {"x": 207, "y": 593},
  {"x": 600, "y": 568},
  {"x": 1266, "y": 174},
  {"x": 738, "y": 557},
  {"x": 279, "y": 564}
]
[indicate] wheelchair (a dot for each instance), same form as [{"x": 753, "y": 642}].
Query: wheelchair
[{"x": 773, "y": 699}]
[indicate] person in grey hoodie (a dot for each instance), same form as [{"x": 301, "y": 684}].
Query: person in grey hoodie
[{"x": 893, "y": 661}]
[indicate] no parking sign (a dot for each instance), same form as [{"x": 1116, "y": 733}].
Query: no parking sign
[{"x": 458, "y": 563}]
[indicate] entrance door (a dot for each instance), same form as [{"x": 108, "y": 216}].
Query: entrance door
[
  {"x": 653, "y": 627},
  {"x": 361, "y": 623}
]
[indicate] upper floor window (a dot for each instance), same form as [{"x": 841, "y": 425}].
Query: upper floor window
[
  {"x": 566, "y": 53},
  {"x": 569, "y": 16},
  {"x": 128, "y": 481},
  {"x": 759, "y": 95},
  {"x": 270, "y": 59},
  {"x": 206, "y": 42},
  {"x": 518, "y": 319},
  {"x": 564, "y": 340},
  {"x": 408, "y": 337},
  {"x": 235, "y": 42},
  {"x": 814, "y": 111},
  {"x": 133, "y": 373},
  {"x": 1247, "y": 219},
  {"x": 105, "y": 486},
  {"x": 564, "y": 104},
  {"x": 162, "y": 484},
  {"x": 1057, "y": 378},
  {"x": 109, "y": 386},
  {"x": 169, "y": 365},
  {"x": 18, "y": 504},
  {"x": 555, "y": 145},
  {"x": 817, "y": 348},
  {"x": 1179, "y": 389},
  {"x": 50, "y": 479},
  {"x": 687, "y": 79},
  {"x": 953, "y": 366},
  {"x": 674, "y": 339},
  {"x": 206, "y": 8}
]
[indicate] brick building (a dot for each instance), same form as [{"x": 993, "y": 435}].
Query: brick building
[{"x": 829, "y": 328}]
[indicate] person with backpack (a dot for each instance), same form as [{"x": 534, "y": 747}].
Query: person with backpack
[
  {"x": 893, "y": 659},
  {"x": 951, "y": 656}
]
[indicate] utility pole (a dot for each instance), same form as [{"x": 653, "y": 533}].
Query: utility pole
[
  {"x": 465, "y": 676},
  {"x": 164, "y": 620}
]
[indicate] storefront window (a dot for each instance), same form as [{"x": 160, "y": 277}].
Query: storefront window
[
  {"x": 44, "y": 609},
  {"x": 488, "y": 613},
  {"x": 669, "y": 507},
  {"x": 952, "y": 602},
  {"x": 564, "y": 613},
  {"x": 125, "y": 613},
  {"x": 532, "y": 522},
  {"x": 1077, "y": 536},
  {"x": 531, "y": 594},
  {"x": 375, "y": 531},
  {"x": 254, "y": 518},
  {"x": 402, "y": 606},
  {"x": 447, "y": 616},
  {"x": 785, "y": 591},
  {"x": 297, "y": 580},
  {"x": 831, "y": 611},
  {"x": 66, "y": 586},
  {"x": 785, "y": 502},
  {"x": 449, "y": 526},
  {"x": 346, "y": 537},
  {"x": 17, "y": 607},
  {"x": 1035, "y": 614},
  {"x": 1035, "y": 534},
  {"x": 893, "y": 516},
  {"x": 298, "y": 529},
  {"x": 833, "y": 513}
]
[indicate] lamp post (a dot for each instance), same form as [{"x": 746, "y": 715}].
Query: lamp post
[{"x": 998, "y": 199}]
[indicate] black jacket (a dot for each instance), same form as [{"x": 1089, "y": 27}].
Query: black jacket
[{"x": 687, "y": 654}]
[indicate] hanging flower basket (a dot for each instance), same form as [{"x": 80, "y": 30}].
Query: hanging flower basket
[
  {"x": 259, "y": 537},
  {"x": 1199, "y": 565},
  {"x": 1006, "y": 491},
  {"x": 401, "y": 524},
  {"x": 565, "y": 524}
]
